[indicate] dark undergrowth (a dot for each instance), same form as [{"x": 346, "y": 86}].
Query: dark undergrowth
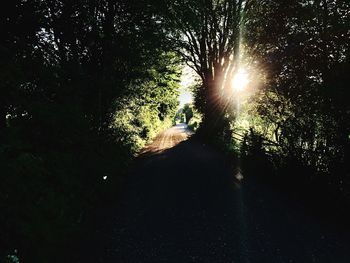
[
  {"x": 318, "y": 193},
  {"x": 323, "y": 194},
  {"x": 51, "y": 193}
]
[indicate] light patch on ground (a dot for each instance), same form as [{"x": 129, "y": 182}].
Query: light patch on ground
[{"x": 168, "y": 139}]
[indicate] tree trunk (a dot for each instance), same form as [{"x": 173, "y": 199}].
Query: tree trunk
[{"x": 214, "y": 115}]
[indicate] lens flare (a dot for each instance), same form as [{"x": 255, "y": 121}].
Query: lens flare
[{"x": 240, "y": 80}]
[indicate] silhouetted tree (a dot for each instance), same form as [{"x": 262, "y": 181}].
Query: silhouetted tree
[
  {"x": 207, "y": 34},
  {"x": 303, "y": 47}
]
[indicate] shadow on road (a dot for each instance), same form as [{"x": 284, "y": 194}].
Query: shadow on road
[{"x": 184, "y": 205}]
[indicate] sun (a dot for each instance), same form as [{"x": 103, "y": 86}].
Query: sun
[{"x": 240, "y": 80}]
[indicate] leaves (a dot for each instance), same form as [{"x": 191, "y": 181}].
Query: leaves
[
  {"x": 303, "y": 46},
  {"x": 85, "y": 84}
]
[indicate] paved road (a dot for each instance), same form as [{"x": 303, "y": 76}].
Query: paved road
[{"x": 183, "y": 204}]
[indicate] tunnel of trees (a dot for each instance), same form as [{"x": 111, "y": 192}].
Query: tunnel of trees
[{"x": 85, "y": 84}]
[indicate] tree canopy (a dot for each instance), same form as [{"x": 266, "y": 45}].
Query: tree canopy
[
  {"x": 86, "y": 84},
  {"x": 207, "y": 34}
]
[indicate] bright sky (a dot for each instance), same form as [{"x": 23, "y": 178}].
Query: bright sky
[{"x": 187, "y": 80}]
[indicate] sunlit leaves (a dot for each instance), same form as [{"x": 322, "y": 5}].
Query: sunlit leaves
[{"x": 304, "y": 49}]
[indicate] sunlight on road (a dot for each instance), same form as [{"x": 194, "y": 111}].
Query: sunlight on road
[{"x": 168, "y": 139}]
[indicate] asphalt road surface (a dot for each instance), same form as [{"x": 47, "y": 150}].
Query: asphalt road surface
[{"x": 182, "y": 203}]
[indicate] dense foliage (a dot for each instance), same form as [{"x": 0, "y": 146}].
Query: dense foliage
[
  {"x": 295, "y": 110},
  {"x": 84, "y": 85},
  {"x": 206, "y": 33},
  {"x": 301, "y": 111},
  {"x": 190, "y": 115}
]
